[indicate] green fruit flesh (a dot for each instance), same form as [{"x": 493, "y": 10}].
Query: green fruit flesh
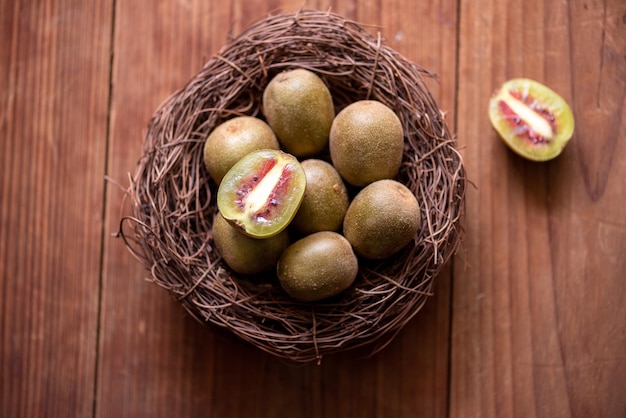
[
  {"x": 234, "y": 139},
  {"x": 382, "y": 219},
  {"x": 246, "y": 255},
  {"x": 532, "y": 119},
  {"x": 318, "y": 266},
  {"x": 325, "y": 199},
  {"x": 299, "y": 108},
  {"x": 262, "y": 192},
  {"x": 366, "y": 142}
]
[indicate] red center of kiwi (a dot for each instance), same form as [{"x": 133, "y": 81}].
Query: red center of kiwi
[
  {"x": 521, "y": 127},
  {"x": 273, "y": 198},
  {"x": 249, "y": 182},
  {"x": 532, "y": 119}
]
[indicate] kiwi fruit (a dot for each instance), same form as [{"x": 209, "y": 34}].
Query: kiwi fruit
[
  {"x": 299, "y": 108},
  {"x": 246, "y": 255},
  {"x": 532, "y": 119},
  {"x": 262, "y": 192},
  {"x": 232, "y": 140},
  {"x": 382, "y": 219},
  {"x": 366, "y": 142},
  {"x": 325, "y": 199},
  {"x": 318, "y": 266}
]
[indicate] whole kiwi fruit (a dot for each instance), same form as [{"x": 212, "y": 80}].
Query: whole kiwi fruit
[
  {"x": 232, "y": 140},
  {"x": 244, "y": 254},
  {"x": 366, "y": 142},
  {"x": 299, "y": 107},
  {"x": 382, "y": 219},
  {"x": 317, "y": 266},
  {"x": 325, "y": 199}
]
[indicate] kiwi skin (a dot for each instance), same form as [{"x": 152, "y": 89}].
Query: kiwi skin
[
  {"x": 318, "y": 266},
  {"x": 382, "y": 219},
  {"x": 325, "y": 199},
  {"x": 298, "y": 106},
  {"x": 244, "y": 254},
  {"x": 232, "y": 140},
  {"x": 366, "y": 142}
]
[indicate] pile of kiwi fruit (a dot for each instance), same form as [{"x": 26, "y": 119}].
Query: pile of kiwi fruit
[{"x": 308, "y": 192}]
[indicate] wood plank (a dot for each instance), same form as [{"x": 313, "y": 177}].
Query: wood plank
[
  {"x": 155, "y": 360},
  {"x": 538, "y": 314},
  {"x": 54, "y": 82}
]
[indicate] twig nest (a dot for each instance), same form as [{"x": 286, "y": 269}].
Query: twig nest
[{"x": 174, "y": 200}]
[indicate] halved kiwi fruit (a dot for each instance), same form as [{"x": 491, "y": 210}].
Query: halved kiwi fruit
[
  {"x": 262, "y": 192},
  {"x": 532, "y": 119}
]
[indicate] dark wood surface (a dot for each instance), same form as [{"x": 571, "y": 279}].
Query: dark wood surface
[{"x": 527, "y": 320}]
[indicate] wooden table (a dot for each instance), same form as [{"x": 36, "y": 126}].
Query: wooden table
[{"x": 528, "y": 319}]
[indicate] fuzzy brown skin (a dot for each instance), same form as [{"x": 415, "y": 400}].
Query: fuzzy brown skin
[
  {"x": 325, "y": 199},
  {"x": 243, "y": 254},
  {"x": 299, "y": 108},
  {"x": 317, "y": 267},
  {"x": 234, "y": 139},
  {"x": 382, "y": 219},
  {"x": 366, "y": 142}
]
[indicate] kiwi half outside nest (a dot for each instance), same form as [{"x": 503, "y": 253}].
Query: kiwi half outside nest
[{"x": 532, "y": 119}]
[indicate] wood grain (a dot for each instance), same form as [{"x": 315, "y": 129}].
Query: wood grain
[
  {"x": 156, "y": 361},
  {"x": 528, "y": 321},
  {"x": 54, "y": 81},
  {"x": 538, "y": 304}
]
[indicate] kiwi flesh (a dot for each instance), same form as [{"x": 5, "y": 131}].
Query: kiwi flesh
[
  {"x": 262, "y": 192},
  {"x": 532, "y": 119}
]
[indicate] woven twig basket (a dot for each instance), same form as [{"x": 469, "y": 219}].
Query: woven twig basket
[{"x": 173, "y": 200}]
